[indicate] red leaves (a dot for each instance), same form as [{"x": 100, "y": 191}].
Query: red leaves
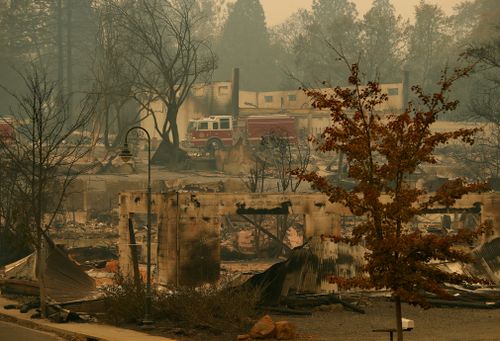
[{"x": 382, "y": 152}]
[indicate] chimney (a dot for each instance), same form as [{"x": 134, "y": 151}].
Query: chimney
[
  {"x": 406, "y": 89},
  {"x": 235, "y": 94}
]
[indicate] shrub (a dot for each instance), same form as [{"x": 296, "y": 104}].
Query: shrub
[{"x": 124, "y": 301}]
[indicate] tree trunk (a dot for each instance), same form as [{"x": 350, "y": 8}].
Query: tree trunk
[
  {"x": 399, "y": 325},
  {"x": 175, "y": 134},
  {"x": 172, "y": 125},
  {"x": 60, "y": 70},
  {"x": 42, "y": 265},
  {"x": 69, "y": 57},
  {"x": 106, "y": 126},
  {"x": 168, "y": 155}
]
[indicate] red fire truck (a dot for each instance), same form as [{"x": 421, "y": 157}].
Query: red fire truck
[{"x": 216, "y": 132}]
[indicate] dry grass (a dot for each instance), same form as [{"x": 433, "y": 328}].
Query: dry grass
[{"x": 209, "y": 308}]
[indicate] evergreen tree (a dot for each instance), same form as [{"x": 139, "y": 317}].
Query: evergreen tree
[
  {"x": 464, "y": 21},
  {"x": 382, "y": 40},
  {"x": 26, "y": 29},
  {"x": 428, "y": 44},
  {"x": 331, "y": 28},
  {"x": 283, "y": 40},
  {"x": 483, "y": 48},
  {"x": 245, "y": 44},
  {"x": 81, "y": 30},
  {"x": 29, "y": 34}
]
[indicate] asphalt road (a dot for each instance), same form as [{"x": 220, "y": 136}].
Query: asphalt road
[{"x": 13, "y": 332}]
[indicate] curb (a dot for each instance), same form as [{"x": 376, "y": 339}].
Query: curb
[{"x": 65, "y": 334}]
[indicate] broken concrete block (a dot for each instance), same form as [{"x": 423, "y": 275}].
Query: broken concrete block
[
  {"x": 407, "y": 324},
  {"x": 285, "y": 330},
  {"x": 263, "y": 329}
]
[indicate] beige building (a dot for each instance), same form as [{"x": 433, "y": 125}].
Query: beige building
[{"x": 215, "y": 99}]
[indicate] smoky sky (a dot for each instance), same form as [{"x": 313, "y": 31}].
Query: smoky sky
[{"x": 278, "y": 10}]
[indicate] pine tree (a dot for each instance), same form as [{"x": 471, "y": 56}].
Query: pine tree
[
  {"x": 382, "y": 41},
  {"x": 245, "y": 44},
  {"x": 428, "y": 45},
  {"x": 331, "y": 27}
]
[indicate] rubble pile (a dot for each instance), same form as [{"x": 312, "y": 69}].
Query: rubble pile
[
  {"x": 242, "y": 240},
  {"x": 93, "y": 233}
]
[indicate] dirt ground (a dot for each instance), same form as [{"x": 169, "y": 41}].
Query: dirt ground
[
  {"x": 436, "y": 324},
  {"x": 334, "y": 323}
]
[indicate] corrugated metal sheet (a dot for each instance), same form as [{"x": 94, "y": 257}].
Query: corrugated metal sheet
[
  {"x": 64, "y": 280},
  {"x": 488, "y": 256}
]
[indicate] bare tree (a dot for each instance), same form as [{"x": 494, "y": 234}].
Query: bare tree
[
  {"x": 45, "y": 150},
  {"x": 113, "y": 78},
  {"x": 277, "y": 156},
  {"x": 284, "y": 155},
  {"x": 14, "y": 239},
  {"x": 485, "y": 105},
  {"x": 169, "y": 54},
  {"x": 254, "y": 182}
]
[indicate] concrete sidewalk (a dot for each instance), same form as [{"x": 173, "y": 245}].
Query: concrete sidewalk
[{"x": 78, "y": 331}]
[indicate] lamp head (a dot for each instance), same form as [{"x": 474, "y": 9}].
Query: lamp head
[{"x": 125, "y": 154}]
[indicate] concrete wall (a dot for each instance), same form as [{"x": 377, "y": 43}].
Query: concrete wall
[
  {"x": 189, "y": 227},
  {"x": 101, "y": 195}
]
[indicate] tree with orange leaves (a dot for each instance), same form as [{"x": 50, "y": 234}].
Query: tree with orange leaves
[{"x": 381, "y": 153}]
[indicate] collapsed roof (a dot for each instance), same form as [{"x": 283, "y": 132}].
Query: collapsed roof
[{"x": 64, "y": 280}]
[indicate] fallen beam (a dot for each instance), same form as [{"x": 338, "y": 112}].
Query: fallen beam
[
  {"x": 266, "y": 232},
  {"x": 286, "y": 311},
  {"x": 462, "y": 304},
  {"x": 317, "y": 300}
]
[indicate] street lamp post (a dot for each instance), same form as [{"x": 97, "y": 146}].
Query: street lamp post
[{"x": 126, "y": 155}]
